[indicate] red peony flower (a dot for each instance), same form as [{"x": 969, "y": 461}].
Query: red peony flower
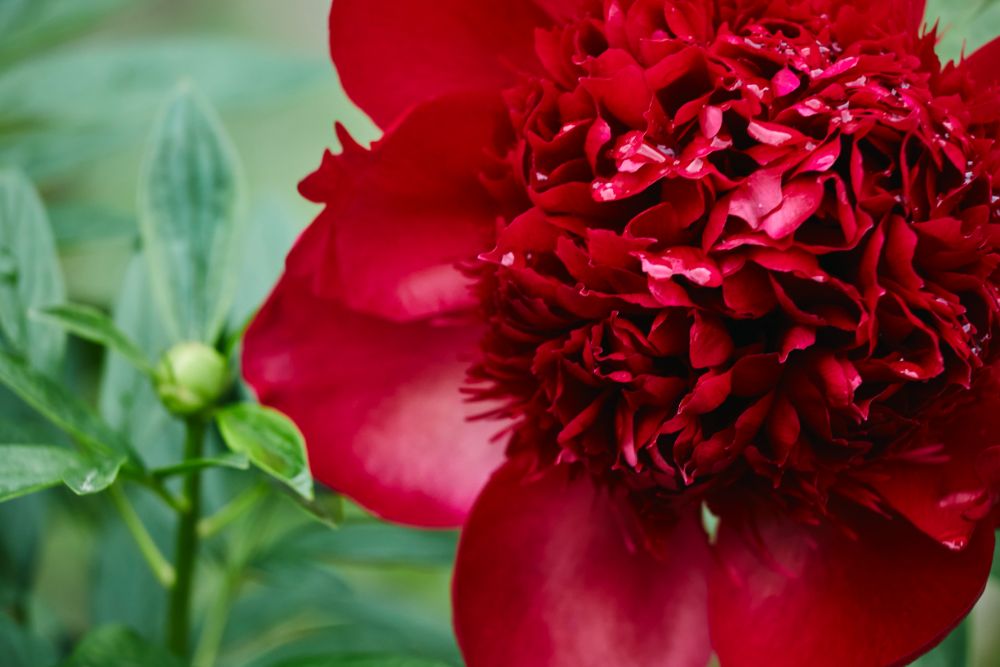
[{"x": 618, "y": 265}]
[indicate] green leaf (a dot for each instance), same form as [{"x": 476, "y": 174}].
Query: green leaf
[
  {"x": 189, "y": 218},
  {"x": 77, "y": 224},
  {"x": 327, "y": 507},
  {"x": 127, "y": 399},
  {"x": 26, "y": 25},
  {"x": 271, "y": 441},
  {"x": 365, "y": 660},
  {"x": 30, "y": 276},
  {"x": 122, "y": 584},
  {"x": 271, "y": 231},
  {"x": 93, "y": 325},
  {"x": 136, "y": 73},
  {"x": 983, "y": 627},
  {"x": 299, "y": 610},
  {"x": 19, "y": 649},
  {"x": 63, "y": 409},
  {"x": 25, "y": 469},
  {"x": 952, "y": 652},
  {"x": 22, "y": 524},
  {"x": 51, "y": 138},
  {"x": 965, "y": 26},
  {"x": 373, "y": 543},
  {"x": 232, "y": 460},
  {"x": 115, "y": 646},
  {"x": 92, "y": 476}
]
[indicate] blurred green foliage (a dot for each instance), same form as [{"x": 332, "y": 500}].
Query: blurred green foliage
[{"x": 81, "y": 84}]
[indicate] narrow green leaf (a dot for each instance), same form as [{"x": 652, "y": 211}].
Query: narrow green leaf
[
  {"x": 189, "y": 218},
  {"x": 20, "y": 649},
  {"x": 271, "y": 441},
  {"x": 373, "y": 543},
  {"x": 326, "y": 507},
  {"x": 952, "y": 652},
  {"x": 128, "y": 401},
  {"x": 93, "y": 325},
  {"x": 115, "y": 646},
  {"x": 76, "y": 224},
  {"x": 30, "y": 276},
  {"x": 137, "y": 72},
  {"x": 27, "y": 25},
  {"x": 983, "y": 627},
  {"x": 364, "y": 660},
  {"x": 53, "y": 138},
  {"x": 236, "y": 461},
  {"x": 61, "y": 408},
  {"x": 25, "y": 469}
]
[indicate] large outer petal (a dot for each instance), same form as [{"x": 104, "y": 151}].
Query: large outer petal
[
  {"x": 984, "y": 64},
  {"x": 947, "y": 496},
  {"x": 786, "y": 595},
  {"x": 353, "y": 343},
  {"x": 404, "y": 213},
  {"x": 379, "y": 403},
  {"x": 546, "y": 577},
  {"x": 392, "y": 54}
]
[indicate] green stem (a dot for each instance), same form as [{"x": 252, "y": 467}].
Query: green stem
[
  {"x": 179, "y": 616},
  {"x": 162, "y": 570}
]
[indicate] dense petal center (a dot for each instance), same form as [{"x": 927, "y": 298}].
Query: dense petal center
[{"x": 755, "y": 243}]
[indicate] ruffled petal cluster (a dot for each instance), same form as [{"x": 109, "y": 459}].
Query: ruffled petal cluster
[{"x": 620, "y": 264}]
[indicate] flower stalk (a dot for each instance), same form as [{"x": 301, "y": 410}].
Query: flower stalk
[{"x": 179, "y": 613}]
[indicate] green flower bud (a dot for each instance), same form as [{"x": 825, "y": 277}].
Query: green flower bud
[{"x": 191, "y": 378}]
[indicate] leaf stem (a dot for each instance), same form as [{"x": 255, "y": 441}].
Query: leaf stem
[
  {"x": 211, "y": 525},
  {"x": 179, "y": 615},
  {"x": 162, "y": 569},
  {"x": 218, "y": 616},
  {"x": 155, "y": 485}
]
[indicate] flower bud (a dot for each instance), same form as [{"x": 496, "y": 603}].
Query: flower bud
[{"x": 190, "y": 378}]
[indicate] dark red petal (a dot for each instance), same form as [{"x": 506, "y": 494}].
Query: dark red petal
[
  {"x": 787, "y": 595},
  {"x": 547, "y": 577},
  {"x": 403, "y": 214},
  {"x": 984, "y": 65},
  {"x": 392, "y": 54},
  {"x": 892, "y": 15},
  {"x": 567, "y": 10},
  {"x": 911, "y": 11},
  {"x": 379, "y": 402},
  {"x": 947, "y": 494}
]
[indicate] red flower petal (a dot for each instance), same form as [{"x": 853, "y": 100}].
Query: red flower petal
[
  {"x": 984, "y": 65},
  {"x": 403, "y": 214},
  {"x": 567, "y": 10},
  {"x": 379, "y": 402},
  {"x": 949, "y": 493},
  {"x": 890, "y": 14},
  {"x": 911, "y": 11},
  {"x": 391, "y": 54},
  {"x": 787, "y": 595},
  {"x": 546, "y": 577}
]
